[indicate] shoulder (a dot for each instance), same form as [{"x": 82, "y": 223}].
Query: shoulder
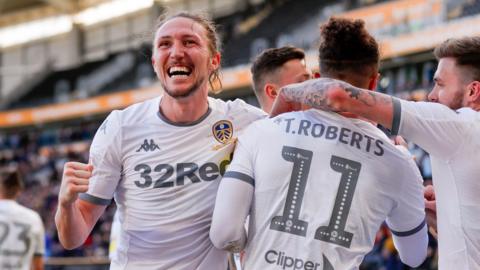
[
  {"x": 265, "y": 127},
  {"x": 29, "y": 215},
  {"x": 394, "y": 153},
  {"x": 118, "y": 119},
  {"x": 235, "y": 107},
  {"x": 469, "y": 114},
  {"x": 427, "y": 110},
  {"x": 138, "y": 111}
]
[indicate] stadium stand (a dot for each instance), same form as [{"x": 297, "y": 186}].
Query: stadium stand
[
  {"x": 119, "y": 72},
  {"x": 112, "y": 56}
]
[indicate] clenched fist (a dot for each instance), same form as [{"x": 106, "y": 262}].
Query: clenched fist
[{"x": 75, "y": 180}]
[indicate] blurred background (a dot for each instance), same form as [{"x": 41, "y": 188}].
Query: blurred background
[{"x": 65, "y": 64}]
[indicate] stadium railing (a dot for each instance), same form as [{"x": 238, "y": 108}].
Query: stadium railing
[{"x": 77, "y": 263}]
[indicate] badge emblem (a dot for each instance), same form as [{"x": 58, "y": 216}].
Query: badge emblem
[{"x": 223, "y": 131}]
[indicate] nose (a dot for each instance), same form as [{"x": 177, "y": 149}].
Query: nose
[
  {"x": 177, "y": 50},
  {"x": 433, "y": 95}
]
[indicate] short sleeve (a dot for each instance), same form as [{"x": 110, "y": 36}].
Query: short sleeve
[
  {"x": 408, "y": 215},
  {"x": 105, "y": 156},
  {"x": 242, "y": 167},
  {"x": 432, "y": 126},
  {"x": 250, "y": 112},
  {"x": 39, "y": 248}
]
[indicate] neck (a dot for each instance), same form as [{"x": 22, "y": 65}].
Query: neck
[
  {"x": 3, "y": 197},
  {"x": 475, "y": 107},
  {"x": 267, "y": 108},
  {"x": 184, "y": 110}
]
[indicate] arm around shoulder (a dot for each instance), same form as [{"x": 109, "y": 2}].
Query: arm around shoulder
[{"x": 338, "y": 96}]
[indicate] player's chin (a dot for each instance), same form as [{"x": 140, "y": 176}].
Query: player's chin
[{"x": 181, "y": 92}]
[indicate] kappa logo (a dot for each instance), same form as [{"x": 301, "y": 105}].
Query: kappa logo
[
  {"x": 148, "y": 146},
  {"x": 223, "y": 131}
]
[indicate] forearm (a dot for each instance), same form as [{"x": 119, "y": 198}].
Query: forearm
[
  {"x": 337, "y": 96},
  {"x": 230, "y": 235},
  {"x": 231, "y": 209},
  {"x": 71, "y": 225},
  {"x": 228, "y": 239}
]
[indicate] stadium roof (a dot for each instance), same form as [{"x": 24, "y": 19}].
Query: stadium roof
[
  {"x": 20, "y": 11},
  {"x": 13, "y": 6},
  {"x": 65, "y": 6}
]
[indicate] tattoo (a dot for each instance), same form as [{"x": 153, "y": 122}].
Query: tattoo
[
  {"x": 317, "y": 100},
  {"x": 292, "y": 94},
  {"x": 234, "y": 246},
  {"x": 354, "y": 92},
  {"x": 315, "y": 93},
  {"x": 311, "y": 93},
  {"x": 367, "y": 97}
]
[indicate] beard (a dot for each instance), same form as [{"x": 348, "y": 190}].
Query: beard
[
  {"x": 457, "y": 102},
  {"x": 190, "y": 91}
]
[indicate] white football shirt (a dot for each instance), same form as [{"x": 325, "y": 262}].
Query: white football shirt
[
  {"x": 164, "y": 178},
  {"x": 450, "y": 137},
  {"x": 323, "y": 185},
  {"x": 22, "y": 236}
]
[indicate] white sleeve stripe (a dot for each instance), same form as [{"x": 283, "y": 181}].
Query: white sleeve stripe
[
  {"x": 93, "y": 199},
  {"x": 410, "y": 232},
  {"x": 240, "y": 176},
  {"x": 397, "y": 114}
]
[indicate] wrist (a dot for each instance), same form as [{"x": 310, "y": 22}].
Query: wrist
[{"x": 65, "y": 204}]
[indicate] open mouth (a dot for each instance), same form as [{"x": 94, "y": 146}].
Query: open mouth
[{"x": 179, "y": 72}]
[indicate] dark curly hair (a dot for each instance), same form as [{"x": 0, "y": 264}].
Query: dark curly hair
[{"x": 347, "y": 47}]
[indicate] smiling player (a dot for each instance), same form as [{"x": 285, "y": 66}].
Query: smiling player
[{"x": 161, "y": 160}]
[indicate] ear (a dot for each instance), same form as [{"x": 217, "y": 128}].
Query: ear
[
  {"x": 216, "y": 61},
  {"x": 474, "y": 91},
  {"x": 153, "y": 64},
  {"x": 372, "y": 84},
  {"x": 270, "y": 91}
]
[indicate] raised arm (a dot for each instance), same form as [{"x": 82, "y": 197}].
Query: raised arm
[
  {"x": 75, "y": 218},
  {"x": 333, "y": 95}
]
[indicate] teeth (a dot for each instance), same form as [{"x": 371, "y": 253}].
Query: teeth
[{"x": 179, "y": 69}]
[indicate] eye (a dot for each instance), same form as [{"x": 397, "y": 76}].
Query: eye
[
  {"x": 163, "y": 44},
  {"x": 190, "y": 42}
]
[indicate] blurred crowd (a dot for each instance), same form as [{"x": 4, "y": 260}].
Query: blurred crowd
[
  {"x": 384, "y": 256},
  {"x": 40, "y": 155}
]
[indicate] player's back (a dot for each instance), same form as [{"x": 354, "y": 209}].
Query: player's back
[
  {"x": 21, "y": 236},
  {"x": 323, "y": 186}
]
